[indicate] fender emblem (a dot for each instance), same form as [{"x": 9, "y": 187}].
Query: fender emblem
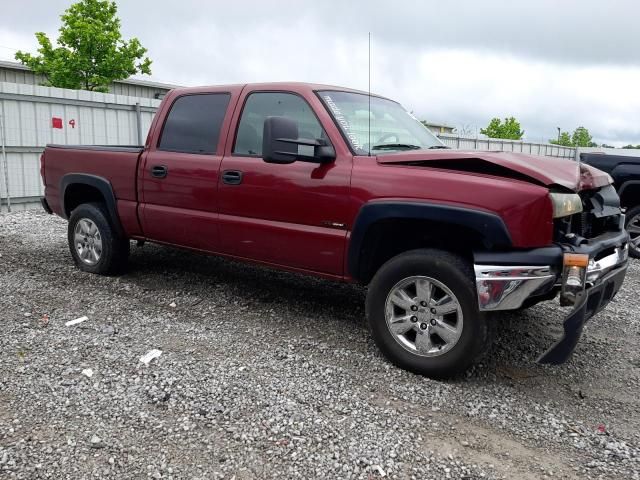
[{"x": 328, "y": 223}]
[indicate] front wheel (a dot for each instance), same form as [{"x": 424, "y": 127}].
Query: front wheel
[
  {"x": 633, "y": 227},
  {"x": 423, "y": 312}
]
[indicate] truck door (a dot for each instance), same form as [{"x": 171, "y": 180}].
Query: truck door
[
  {"x": 292, "y": 215},
  {"x": 178, "y": 176}
]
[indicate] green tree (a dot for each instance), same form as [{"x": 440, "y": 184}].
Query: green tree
[
  {"x": 582, "y": 138},
  {"x": 509, "y": 129},
  {"x": 564, "y": 140},
  {"x": 631, "y": 146},
  {"x": 90, "y": 51}
]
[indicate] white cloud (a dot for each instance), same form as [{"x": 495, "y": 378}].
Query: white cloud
[{"x": 547, "y": 63}]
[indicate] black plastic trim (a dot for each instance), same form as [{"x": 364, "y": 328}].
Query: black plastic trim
[
  {"x": 489, "y": 225},
  {"x": 102, "y": 185},
  {"x": 592, "y": 301},
  {"x": 626, "y": 184},
  {"x": 552, "y": 255},
  {"x": 45, "y": 205},
  {"x": 544, "y": 256},
  {"x": 595, "y": 245},
  {"x": 605, "y": 202},
  {"x": 232, "y": 177}
]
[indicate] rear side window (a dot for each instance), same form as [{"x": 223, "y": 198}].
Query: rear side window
[
  {"x": 264, "y": 104},
  {"x": 194, "y": 122}
]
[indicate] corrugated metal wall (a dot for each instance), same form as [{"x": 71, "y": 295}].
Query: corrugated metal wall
[
  {"x": 545, "y": 149},
  {"x": 12, "y": 75},
  {"x": 131, "y": 89},
  {"x": 33, "y": 116},
  {"x": 12, "y": 72}
]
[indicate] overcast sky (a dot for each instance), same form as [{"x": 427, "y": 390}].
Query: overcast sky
[{"x": 549, "y": 63}]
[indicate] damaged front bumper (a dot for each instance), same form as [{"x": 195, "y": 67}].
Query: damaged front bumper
[{"x": 516, "y": 279}]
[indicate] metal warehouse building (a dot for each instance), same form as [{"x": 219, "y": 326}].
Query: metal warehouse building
[
  {"x": 12, "y": 72},
  {"x": 32, "y": 116}
]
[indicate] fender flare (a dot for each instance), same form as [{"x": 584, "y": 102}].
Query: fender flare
[
  {"x": 628, "y": 183},
  {"x": 489, "y": 225},
  {"x": 99, "y": 183}
]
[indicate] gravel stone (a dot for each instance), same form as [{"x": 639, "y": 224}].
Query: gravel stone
[{"x": 265, "y": 374}]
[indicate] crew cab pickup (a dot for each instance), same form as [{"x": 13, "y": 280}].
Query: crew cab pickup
[{"x": 348, "y": 186}]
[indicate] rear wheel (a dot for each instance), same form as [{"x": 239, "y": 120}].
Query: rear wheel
[
  {"x": 423, "y": 312},
  {"x": 94, "y": 244},
  {"x": 633, "y": 227}
]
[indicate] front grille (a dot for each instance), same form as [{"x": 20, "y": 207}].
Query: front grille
[{"x": 601, "y": 214}]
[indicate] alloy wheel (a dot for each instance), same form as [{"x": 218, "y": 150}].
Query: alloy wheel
[
  {"x": 633, "y": 227},
  {"x": 424, "y": 316},
  {"x": 88, "y": 241}
]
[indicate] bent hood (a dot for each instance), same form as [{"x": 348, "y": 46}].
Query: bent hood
[{"x": 548, "y": 171}]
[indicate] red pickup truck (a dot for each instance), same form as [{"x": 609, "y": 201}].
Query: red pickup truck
[{"x": 349, "y": 186}]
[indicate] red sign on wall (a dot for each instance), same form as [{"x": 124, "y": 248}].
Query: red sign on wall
[{"x": 56, "y": 122}]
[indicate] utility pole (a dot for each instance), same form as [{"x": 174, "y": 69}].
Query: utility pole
[{"x": 558, "y": 135}]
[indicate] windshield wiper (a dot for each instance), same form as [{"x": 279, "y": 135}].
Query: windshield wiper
[
  {"x": 434, "y": 147},
  {"x": 396, "y": 146}
]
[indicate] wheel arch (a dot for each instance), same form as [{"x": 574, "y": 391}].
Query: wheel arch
[
  {"x": 78, "y": 188},
  {"x": 384, "y": 229},
  {"x": 629, "y": 193}
]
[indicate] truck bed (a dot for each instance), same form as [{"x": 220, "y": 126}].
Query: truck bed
[{"x": 117, "y": 164}]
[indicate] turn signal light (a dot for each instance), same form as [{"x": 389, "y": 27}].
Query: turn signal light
[
  {"x": 573, "y": 277},
  {"x": 576, "y": 260}
]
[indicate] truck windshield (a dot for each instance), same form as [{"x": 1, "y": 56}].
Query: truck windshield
[{"x": 393, "y": 129}]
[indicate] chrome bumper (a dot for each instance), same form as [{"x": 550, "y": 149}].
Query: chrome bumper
[
  {"x": 599, "y": 268},
  {"x": 502, "y": 287}
]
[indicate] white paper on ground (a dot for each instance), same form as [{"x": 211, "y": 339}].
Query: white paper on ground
[
  {"x": 87, "y": 372},
  {"x": 76, "y": 321},
  {"x": 150, "y": 355}
]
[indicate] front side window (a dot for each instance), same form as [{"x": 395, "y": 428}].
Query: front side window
[
  {"x": 385, "y": 127},
  {"x": 266, "y": 104},
  {"x": 194, "y": 122}
]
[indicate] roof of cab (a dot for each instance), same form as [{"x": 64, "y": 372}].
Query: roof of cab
[{"x": 273, "y": 86}]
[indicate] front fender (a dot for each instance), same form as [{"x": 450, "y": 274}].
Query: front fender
[{"x": 488, "y": 225}]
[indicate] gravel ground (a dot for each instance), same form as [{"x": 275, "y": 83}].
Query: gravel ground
[{"x": 269, "y": 375}]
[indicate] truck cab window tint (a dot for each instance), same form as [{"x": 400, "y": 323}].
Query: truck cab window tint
[
  {"x": 262, "y": 105},
  {"x": 193, "y": 123}
]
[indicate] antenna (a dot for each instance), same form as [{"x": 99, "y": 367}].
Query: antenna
[{"x": 369, "y": 91}]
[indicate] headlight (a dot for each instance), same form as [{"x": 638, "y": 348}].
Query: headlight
[{"x": 565, "y": 204}]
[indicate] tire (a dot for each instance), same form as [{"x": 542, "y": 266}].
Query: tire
[
  {"x": 94, "y": 244},
  {"x": 632, "y": 224},
  {"x": 440, "y": 273}
]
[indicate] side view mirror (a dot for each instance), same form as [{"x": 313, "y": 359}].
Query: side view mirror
[{"x": 280, "y": 144}]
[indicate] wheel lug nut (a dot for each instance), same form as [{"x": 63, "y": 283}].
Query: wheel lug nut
[
  {"x": 433, "y": 310},
  {"x": 433, "y": 321},
  {"x": 423, "y": 303},
  {"x": 423, "y": 326},
  {"x": 414, "y": 318},
  {"x": 414, "y": 308}
]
